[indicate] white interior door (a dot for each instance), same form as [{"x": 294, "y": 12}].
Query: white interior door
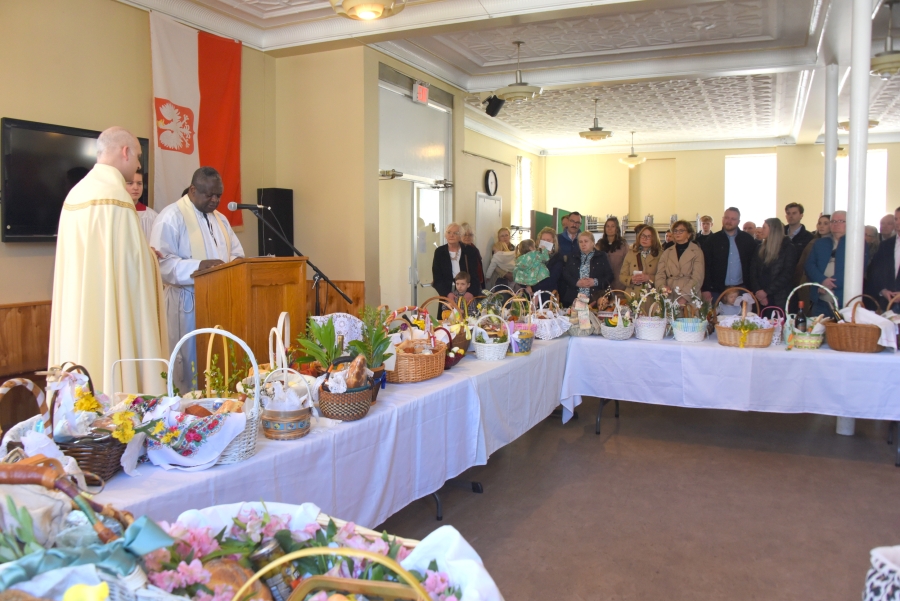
[
  {"x": 488, "y": 219},
  {"x": 429, "y": 219},
  {"x": 395, "y": 246}
]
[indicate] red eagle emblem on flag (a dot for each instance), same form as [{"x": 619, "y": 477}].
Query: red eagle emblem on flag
[{"x": 174, "y": 126}]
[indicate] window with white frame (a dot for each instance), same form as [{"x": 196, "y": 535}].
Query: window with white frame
[
  {"x": 876, "y": 185},
  {"x": 521, "y": 214},
  {"x": 751, "y": 185}
]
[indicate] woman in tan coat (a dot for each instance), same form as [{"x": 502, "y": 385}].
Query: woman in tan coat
[
  {"x": 641, "y": 262},
  {"x": 681, "y": 265}
]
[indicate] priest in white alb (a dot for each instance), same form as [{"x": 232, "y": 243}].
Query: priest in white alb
[
  {"x": 107, "y": 293},
  {"x": 191, "y": 236}
]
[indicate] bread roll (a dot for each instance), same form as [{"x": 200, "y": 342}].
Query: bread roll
[
  {"x": 356, "y": 373},
  {"x": 198, "y": 411},
  {"x": 230, "y": 572},
  {"x": 231, "y": 406}
]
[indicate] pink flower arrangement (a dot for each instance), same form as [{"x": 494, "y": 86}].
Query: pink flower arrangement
[
  {"x": 251, "y": 525},
  {"x": 223, "y": 592},
  {"x": 184, "y": 576}
]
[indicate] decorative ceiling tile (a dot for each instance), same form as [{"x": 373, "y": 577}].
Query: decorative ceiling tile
[
  {"x": 884, "y": 106},
  {"x": 677, "y": 110},
  {"x": 696, "y": 24},
  {"x": 269, "y": 8}
]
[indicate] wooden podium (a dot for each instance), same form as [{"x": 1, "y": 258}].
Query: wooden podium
[{"x": 246, "y": 297}]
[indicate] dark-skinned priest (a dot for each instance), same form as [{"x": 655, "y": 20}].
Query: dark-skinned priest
[
  {"x": 191, "y": 236},
  {"x": 107, "y": 293}
]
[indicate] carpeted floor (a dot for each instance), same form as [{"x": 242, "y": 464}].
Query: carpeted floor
[{"x": 678, "y": 504}]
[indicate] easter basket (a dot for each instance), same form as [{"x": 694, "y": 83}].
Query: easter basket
[
  {"x": 620, "y": 330},
  {"x": 758, "y": 338},
  {"x": 650, "y": 327},
  {"x": 348, "y": 406},
  {"x": 243, "y": 446},
  {"x": 804, "y": 340},
  {"x": 852, "y": 337},
  {"x": 548, "y": 317},
  {"x": 453, "y": 317},
  {"x": 286, "y": 425},
  {"x": 490, "y": 349},
  {"x": 417, "y": 367}
]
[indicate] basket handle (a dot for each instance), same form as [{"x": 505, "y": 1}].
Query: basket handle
[
  {"x": 225, "y": 334},
  {"x": 743, "y": 303},
  {"x": 277, "y": 353},
  {"x": 284, "y": 326},
  {"x": 68, "y": 367},
  {"x": 862, "y": 296},
  {"x": 288, "y": 370},
  {"x": 515, "y": 300},
  {"x": 209, "y": 349},
  {"x": 25, "y": 383},
  {"x": 774, "y": 308}
]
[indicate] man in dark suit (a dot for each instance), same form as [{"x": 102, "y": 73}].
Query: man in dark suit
[
  {"x": 882, "y": 280},
  {"x": 727, "y": 256},
  {"x": 795, "y": 230}
]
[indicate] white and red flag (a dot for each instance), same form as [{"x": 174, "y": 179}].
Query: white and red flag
[{"x": 197, "y": 110}]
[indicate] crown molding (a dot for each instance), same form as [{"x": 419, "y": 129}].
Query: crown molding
[
  {"x": 497, "y": 130},
  {"x": 624, "y": 149},
  {"x": 204, "y": 19},
  {"x": 874, "y": 138}
]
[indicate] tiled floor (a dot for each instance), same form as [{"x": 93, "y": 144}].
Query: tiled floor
[{"x": 678, "y": 504}]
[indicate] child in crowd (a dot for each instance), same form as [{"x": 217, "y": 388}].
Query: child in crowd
[
  {"x": 462, "y": 280},
  {"x": 531, "y": 265},
  {"x": 730, "y": 304}
]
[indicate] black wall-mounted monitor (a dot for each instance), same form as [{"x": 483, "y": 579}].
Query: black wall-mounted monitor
[{"x": 39, "y": 164}]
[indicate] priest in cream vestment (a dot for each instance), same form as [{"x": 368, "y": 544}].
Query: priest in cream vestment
[
  {"x": 191, "y": 235},
  {"x": 107, "y": 293}
]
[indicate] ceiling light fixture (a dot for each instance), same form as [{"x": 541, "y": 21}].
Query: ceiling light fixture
[
  {"x": 845, "y": 125},
  {"x": 632, "y": 160},
  {"x": 367, "y": 10},
  {"x": 887, "y": 64},
  {"x": 595, "y": 133},
  {"x": 519, "y": 91}
]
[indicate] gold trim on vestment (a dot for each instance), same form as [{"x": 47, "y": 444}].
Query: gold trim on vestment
[{"x": 100, "y": 202}]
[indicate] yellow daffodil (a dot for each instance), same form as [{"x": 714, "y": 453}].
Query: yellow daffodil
[
  {"x": 123, "y": 417},
  {"x": 87, "y": 402},
  {"x": 124, "y": 433}
]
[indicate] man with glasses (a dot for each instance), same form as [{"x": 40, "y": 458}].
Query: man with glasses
[
  {"x": 568, "y": 243},
  {"x": 727, "y": 255},
  {"x": 825, "y": 265},
  {"x": 190, "y": 236}
]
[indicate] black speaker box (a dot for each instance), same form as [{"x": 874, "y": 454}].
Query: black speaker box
[{"x": 281, "y": 217}]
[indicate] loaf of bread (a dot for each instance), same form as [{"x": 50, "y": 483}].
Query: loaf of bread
[
  {"x": 230, "y": 406},
  {"x": 198, "y": 411},
  {"x": 356, "y": 373},
  {"x": 230, "y": 572}
]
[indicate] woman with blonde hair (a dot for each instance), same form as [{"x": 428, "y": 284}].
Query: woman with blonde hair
[
  {"x": 681, "y": 265},
  {"x": 588, "y": 272},
  {"x": 772, "y": 266},
  {"x": 503, "y": 260},
  {"x": 642, "y": 260}
]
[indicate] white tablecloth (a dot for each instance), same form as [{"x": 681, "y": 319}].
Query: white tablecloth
[
  {"x": 712, "y": 376},
  {"x": 416, "y": 437}
]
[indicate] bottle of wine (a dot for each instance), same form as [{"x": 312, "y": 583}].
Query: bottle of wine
[{"x": 800, "y": 320}]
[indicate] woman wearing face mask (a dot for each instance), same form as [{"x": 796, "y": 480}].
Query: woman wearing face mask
[
  {"x": 642, "y": 260},
  {"x": 587, "y": 272},
  {"x": 681, "y": 265}
]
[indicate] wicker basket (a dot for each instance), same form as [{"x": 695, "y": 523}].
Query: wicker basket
[
  {"x": 491, "y": 351},
  {"x": 244, "y": 444},
  {"x": 409, "y": 367},
  {"x": 619, "y": 331},
  {"x": 98, "y": 456},
  {"x": 286, "y": 425},
  {"x": 347, "y": 406},
  {"x": 728, "y": 336},
  {"x": 459, "y": 340},
  {"x": 647, "y": 327},
  {"x": 852, "y": 337},
  {"x": 525, "y": 343},
  {"x": 547, "y": 317},
  {"x": 803, "y": 340},
  {"x": 689, "y": 329}
]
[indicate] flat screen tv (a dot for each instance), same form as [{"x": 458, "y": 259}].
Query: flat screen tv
[{"x": 39, "y": 164}]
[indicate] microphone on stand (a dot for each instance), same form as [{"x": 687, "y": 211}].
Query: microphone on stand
[{"x": 233, "y": 206}]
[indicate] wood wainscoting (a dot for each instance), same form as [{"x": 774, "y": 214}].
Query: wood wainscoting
[
  {"x": 24, "y": 337},
  {"x": 335, "y": 304}
]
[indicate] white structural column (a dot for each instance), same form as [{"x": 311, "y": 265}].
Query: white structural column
[
  {"x": 860, "y": 59},
  {"x": 832, "y": 84}
]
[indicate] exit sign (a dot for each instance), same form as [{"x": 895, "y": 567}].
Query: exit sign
[{"x": 420, "y": 93}]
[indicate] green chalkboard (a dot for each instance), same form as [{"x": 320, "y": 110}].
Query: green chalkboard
[{"x": 539, "y": 221}]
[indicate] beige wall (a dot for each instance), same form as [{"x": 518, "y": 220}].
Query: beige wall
[
  {"x": 86, "y": 63},
  {"x": 592, "y": 184},
  {"x": 599, "y": 184}
]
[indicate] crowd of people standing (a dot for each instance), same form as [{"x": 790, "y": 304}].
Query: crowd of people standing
[{"x": 770, "y": 260}]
